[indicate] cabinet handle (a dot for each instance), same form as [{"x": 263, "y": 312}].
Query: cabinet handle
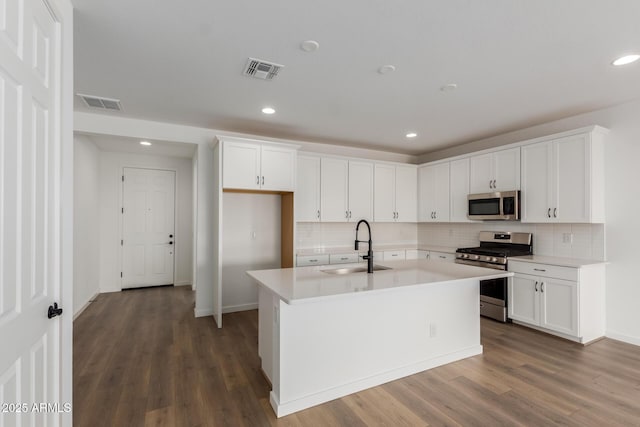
[
  {"x": 258, "y": 179},
  {"x": 349, "y": 214},
  {"x": 555, "y": 212},
  {"x": 397, "y": 215},
  {"x": 346, "y": 214},
  {"x": 494, "y": 183},
  {"x": 318, "y": 214},
  {"x": 442, "y": 256},
  {"x": 263, "y": 180},
  {"x": 536, "y": 286},
  {"x": 313, "y": 260},
  {"x": 435, "y": 215},
  {"x": 490, "y": 186},
  {"x": 539, "y": 269},
  {"x": 344, "y": 259},
  {"x": 541, "y": 286},
  {"x": 549, "y": 212}
]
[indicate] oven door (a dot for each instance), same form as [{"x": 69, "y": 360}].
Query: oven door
[{"x": 494, "y": 291}]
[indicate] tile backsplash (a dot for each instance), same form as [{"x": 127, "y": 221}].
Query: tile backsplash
[{"x": 584, "y": 241}]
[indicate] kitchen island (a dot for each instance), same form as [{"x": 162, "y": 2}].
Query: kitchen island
[{"x": 324, "y": 335}]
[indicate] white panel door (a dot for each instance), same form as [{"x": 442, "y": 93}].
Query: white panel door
[
  {"x": 241, "y": 165},
  {"x": 524, "y": 303},
  {"x": 458, "y": 190},
  {"x": 537, "y": 178},
  {"x": 278, "y": 168},
  {"x": 573, "y": 175},
  {"x": 481, "y": 174},
  {"x": 559, "y": 303},
  {"x": 360, "y": 191},
  {"x": 334, "y": 190},
  {"x": 307, "y": 196},
  {"x": 148, "y": 227},
  {"x": 506, "y": 170},
  {"x": 384, "y": 202},
  {"x": 31, "y": 154},
  {"x": 406, "y": 194}
]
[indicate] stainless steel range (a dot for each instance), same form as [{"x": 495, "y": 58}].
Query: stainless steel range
[{"x": 493, "y": 252}]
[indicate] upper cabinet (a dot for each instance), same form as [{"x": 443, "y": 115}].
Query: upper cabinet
[
  {"x": 563, "y": 179},
  {"x": 395, "y": 193},
  {"x": 496, "y": 171},
  {"x": 458, "y": 190},
  {"x": 434, "y": 193},
  {"x": 346, "y": 190},
  {"x": 307, "y": 198},
  {"x": 253, "y": 165}
]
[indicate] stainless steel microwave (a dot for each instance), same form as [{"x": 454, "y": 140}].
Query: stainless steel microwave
[{"x": 501, "y": 205}]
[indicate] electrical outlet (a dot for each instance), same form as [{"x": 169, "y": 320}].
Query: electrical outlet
[
  {"x": 433, "y": 330},
  {"x": 567, "y": 238}
]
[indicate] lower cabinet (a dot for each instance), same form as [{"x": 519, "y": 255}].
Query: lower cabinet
[
  {"x": 433, "y": 255},
  {"x": 571, "y": 306}
]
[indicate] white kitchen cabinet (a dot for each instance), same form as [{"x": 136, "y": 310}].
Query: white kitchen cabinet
[
  {"x": 495, "y": 171},
  {"x": 394, "y": 255},
  {"x": 441, "y": 256},
  {"x": 570, "y": 306},
  {"x": 395, "y": 193},
  {"x": 563, "y": 180},
  {"x": 346, "y": 190},
  {"x": 252, "y": 165},
  {"x": 306, "y": 260},
  {"x": 458, "y": 190},
  {"x": 433, "y": 188},
  {"x": 432, "y": 255},
  {"x": 345, "y": 258},
  {"x": 416, "y": 254},
  {"x": 307, "y": 197}
]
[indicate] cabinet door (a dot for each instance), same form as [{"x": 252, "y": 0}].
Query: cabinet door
[
  {"x": 384, "y": 200},
  {"x": 573, "y": 175},
  {"x": 441, "y": 192},
  {"x": 523, "y": 298},
  {"x": 506, "y": 169},
  {"x": 241, "y": 165},
  {"x": 307, "y": 197},
  {"x": 406, "y": 190},
  {"x": 559, "y": 305},
  {"x": 481, "y": 174},
  {"x": 458, "y": 190},
  {"x": 334, "y": 188},
  {"x": 360, "y": 191},
  {"x": 278, "y": 168},
  {"x": 426, "y": 194},
  {"x": 537, "y": 188}
]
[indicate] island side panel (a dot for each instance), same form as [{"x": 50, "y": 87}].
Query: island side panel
[{"x": 339, "y": 346}]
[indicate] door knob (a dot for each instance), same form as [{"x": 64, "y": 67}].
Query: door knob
[{"x": 54, "y": 311}]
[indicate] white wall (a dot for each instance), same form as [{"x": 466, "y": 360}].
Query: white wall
[
  {"x": 111, "y": 164},
  {"x": 243, "y": 215},
  {"x": 86, "y": 240},
  {"x": 622, "y": 228},
  {"x": 337, "y": 234}
]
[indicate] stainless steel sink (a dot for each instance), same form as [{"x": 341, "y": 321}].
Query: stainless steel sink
[{"x": 349, "y": 270}]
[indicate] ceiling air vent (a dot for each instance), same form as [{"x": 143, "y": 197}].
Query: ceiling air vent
[
  {"x": 101, "y": 103},
  {"x": 261, "y": 69}
]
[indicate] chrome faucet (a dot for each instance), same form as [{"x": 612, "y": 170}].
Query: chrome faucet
[{"x": 369, "y": 255}]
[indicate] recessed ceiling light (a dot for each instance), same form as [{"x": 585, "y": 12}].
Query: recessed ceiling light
[
  {"x": 309, "y": 45},
  {"x": 386, "y": 69},
  {"x": 268, "y": 110},
  {"x": 624, "y": 60},
  {"x": 145, "y": 143},
  {"x": 411, "y": 135},
  {"x": 449, "y": 87}
]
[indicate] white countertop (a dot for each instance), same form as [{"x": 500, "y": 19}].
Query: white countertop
[
  {"x": 376, "y": 248},
  {"x": 310, "y": 284},
  {"x": 559, "y": 261}
]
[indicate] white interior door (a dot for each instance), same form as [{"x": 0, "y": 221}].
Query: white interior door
[
  {"x": 148, "y": 228},
  {"x": 30, "y": 214}
]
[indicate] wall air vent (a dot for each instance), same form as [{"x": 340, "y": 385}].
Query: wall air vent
[
  {"x": 261, "y": 69},
  {"x": 100, "y": 102}
]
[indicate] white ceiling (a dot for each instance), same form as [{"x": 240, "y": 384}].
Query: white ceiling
[
  {"x": 132, "y": 145},
  {"x": 517, "y": 63}
]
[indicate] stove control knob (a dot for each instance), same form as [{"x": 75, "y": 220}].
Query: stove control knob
[
  {"x": 476, "y": 257},
  {"x": 494, "y": 259},
  {"x": 465, "y": 255}
]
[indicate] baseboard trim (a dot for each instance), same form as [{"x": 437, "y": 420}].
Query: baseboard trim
[
  {"x": 622, "y": 337},
  {"x": 285, "y": 408},
  {"x": 183, "y": 283},
  {"x": 84, "y": 307},
  {"x": 241, "y": 307},
  {"x": 202, "y": 312}
]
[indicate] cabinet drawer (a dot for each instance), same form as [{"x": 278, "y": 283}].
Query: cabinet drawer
[
  {"x": 416, "y": 254},
  {"x": 343, "y": 258},
  {"x": 442, "y": 256},
  {"x": 305, "y": 260},
  {"x": 393, "y": 255},
  {"x": 544, "y": 270}
]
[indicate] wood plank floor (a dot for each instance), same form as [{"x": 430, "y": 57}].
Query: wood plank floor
[{"x": 142, "y": 359}]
